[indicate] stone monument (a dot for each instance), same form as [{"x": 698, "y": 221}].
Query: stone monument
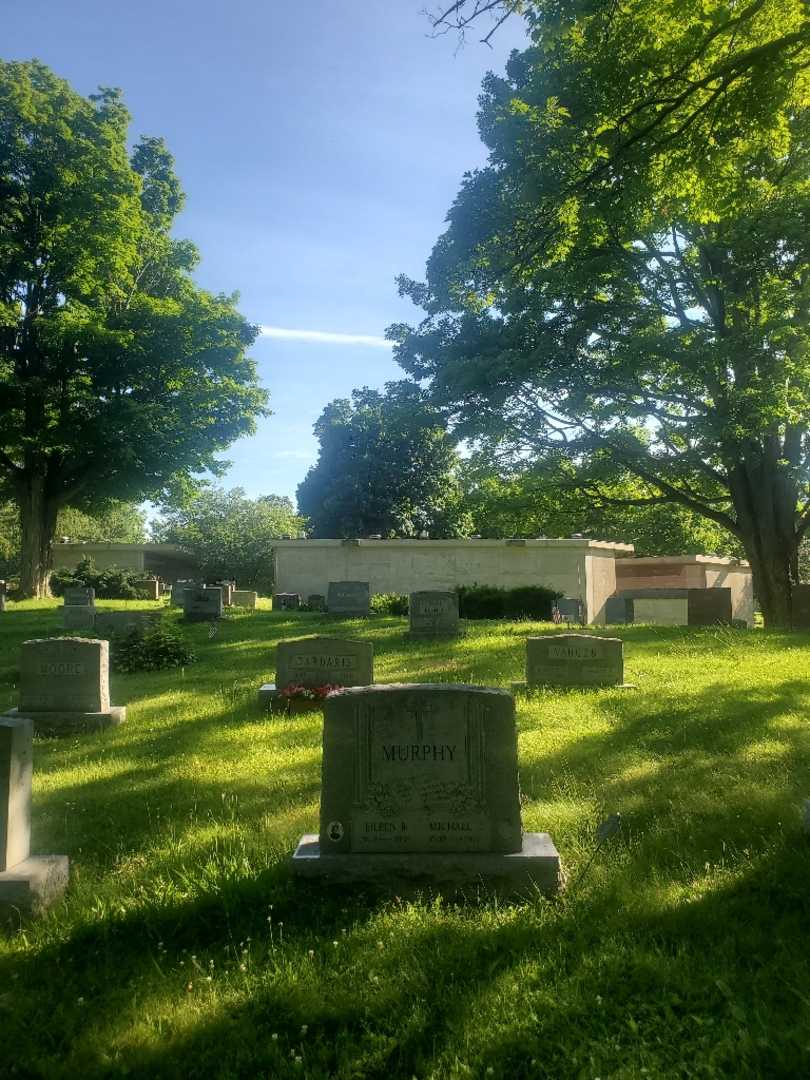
[
  {"x": 28, "y": 883},
  {"x": 286, "y": 601},
  {"x": 202, "y": 604},
  {"x": 420, "y": 783},
  {"x": 574, "y": 660},
  {"x": 79, "y": 612},
  {"x": 65, "y": 685},
  {"x": 350, "y": 598},
  {"x": 319, "y": 661},
  {"x": 433, "y": 613}
]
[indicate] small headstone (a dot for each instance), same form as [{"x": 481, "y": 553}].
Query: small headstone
[
  {"x": 574, "y": 660},
  {"x": 800, "y": 603},
  {"x": 79, "y": 595},
  {"x": 244, "y": 598},
  {"x": 65, "y": 685},
  {"x": 319, "y": 661},
  {"x": 28, "y": 883},
  {"x": 618, "y": 610},
  {"x": 433, "y": 613},
  {"x": 286, "y": 601},
  {"x": 78, "y": 617},
  {"x": 570, "y": 608},
  {"x": 420, "y": 782},
  {"x": 348, "y": 598},
  {"x": 316, "y": 602},
  {"x": 709, "y": 607},
  {"x": 202, "y": 604},
  {"x": 111, "y": 623}
]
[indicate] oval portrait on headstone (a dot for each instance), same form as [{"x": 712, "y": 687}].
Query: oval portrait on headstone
[{"x": 334, "y": 830}]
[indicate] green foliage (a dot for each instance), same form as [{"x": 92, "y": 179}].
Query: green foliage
[
  {"x": 112, "y": 583},
  {"x": 230, "y": 535},
  {"x": 386, "y": 466},
  {"x": 154, "y": 648},
  {"x": 115, "y": 523},
  {"x": 9, "y": 540},
  {"x": 389, "y": 604},
  {"x": 119, "y": 376},
  {"x": 493, "y": 602},
  {"x": 629, "y": 276}
]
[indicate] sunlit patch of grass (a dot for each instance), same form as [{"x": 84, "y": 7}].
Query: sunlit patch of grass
[{"x": 185, "y": 949}]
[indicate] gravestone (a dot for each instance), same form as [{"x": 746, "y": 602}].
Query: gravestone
[
  {"x": 709, "y": 607},
  {"x": 618, "y": 609},
  {"x": 348, "y": 598},
  {"x": 79, "y": 611},
  {"x": 316, "y": 602},
  {"x": 319, "y": 661},
  {"x": 111, "y": 623},
  {"x": 28, "y": 883},
  {"x": 80, "y": 595},
  {"x": 574, "y": 660},
  {"x": 202, "y": 604},
  {"x": 800, "y": 601},
  {"x": 151, "y": 589},
  {"x": 571, "y": 609},
  {"x": 433, "y": 613},
  {"x": 65, "y": 685},
  {"x": 286, "y": 601},
  {"x": 244, "y": 598},
  {"x": 420, "y": 782}
]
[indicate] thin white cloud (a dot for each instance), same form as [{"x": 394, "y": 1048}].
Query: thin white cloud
[
  {"x": 299, "y": 455},
  {"x": 325, "y": 337}
]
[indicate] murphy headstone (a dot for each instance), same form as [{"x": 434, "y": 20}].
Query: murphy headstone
[
  {"x": 348, "y": 598},
  {"x": 421, "y": 782},
  {"x": 433, "y": 613},
  {"x": 28, "y": 883},
  {"x": 65, "y": 685},
  {"x": 574, "y": 660},
  {"x": 320, "y": 661}
]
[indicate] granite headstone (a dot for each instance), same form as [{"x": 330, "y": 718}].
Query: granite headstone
[
  {"x": 348, "y": 598},
  {"x": 574, "y": 660},
  {"x": 433, "y": 613}
]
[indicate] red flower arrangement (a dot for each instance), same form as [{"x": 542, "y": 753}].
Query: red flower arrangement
[{"x": 297, "y": 692}]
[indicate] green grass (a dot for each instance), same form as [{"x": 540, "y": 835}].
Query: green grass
[{"x": 185, "y": 949}]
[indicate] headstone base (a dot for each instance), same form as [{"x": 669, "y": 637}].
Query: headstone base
[
  {"x": 66, "y": 723},
  {"x": 33, "y": 885},
  {"x": 524, "y": 688},
  {"x": 536, "y": 865}
]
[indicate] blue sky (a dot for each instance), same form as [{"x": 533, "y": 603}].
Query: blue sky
[{"x": 320, "y": 145}]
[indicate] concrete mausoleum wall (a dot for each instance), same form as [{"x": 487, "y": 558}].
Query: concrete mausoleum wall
[
  {"x": 164, "y": 560},
  {"x": 584, "y": 569},
  {"x": 691, "y": 572}
]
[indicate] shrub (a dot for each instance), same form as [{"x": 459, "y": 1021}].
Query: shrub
[
  {"x": 114, "y": 583},
  {"x": 389, "y": 604},
  {"x": 153, "y": 649},
  {"x": 492, "y": 602}
]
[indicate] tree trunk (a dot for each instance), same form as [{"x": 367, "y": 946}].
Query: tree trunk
[
  {"x": 38, "y": 526},
  {"x": 765, "y": 504}
]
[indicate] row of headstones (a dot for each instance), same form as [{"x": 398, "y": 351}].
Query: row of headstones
[
  {"x": 671, "y": 607},
  {"x": 201, "y": 603},
  {"x": 430, "y": 611},
  {"x": 566, "y": 660}
]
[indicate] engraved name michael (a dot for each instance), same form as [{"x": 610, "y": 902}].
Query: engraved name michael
[{"x": 418, "y": 752}]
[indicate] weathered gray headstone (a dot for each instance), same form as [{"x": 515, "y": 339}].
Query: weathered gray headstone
[
  {"x": 286, "y": 601},
  {"x": 433, "y": 613},
  {"x": 28, "y": 884},
  {"x": 112, "y": 623},
  {"x": 79, "y": 611},
  {"x": 348, "y": 598},
  {"x": 574, "y": 660},
  {"x": 202, "y": 604},
  {"x": 421, "y": 782},
  {"x": 709, "y": 607},
  {"x": 65, "y": 685},
  {"x": 244, "y": 598},
  {"x": 79, "y": 595},
  {"x": 570, "y": 608},
  {"x": 319, "y": 661}
]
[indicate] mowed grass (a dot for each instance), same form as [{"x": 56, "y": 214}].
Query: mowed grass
[{"x": 185, "y": 949}]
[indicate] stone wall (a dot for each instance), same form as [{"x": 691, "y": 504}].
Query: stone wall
[
  {"x": 584, "y": 569},
  {"x": 691, "y": 572}
]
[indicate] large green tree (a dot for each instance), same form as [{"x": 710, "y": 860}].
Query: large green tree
[
  {"x": 119, "y": 377},
  {"x": 386, "y": 466},
  {"x": 229, "y": 534},
  {"x": 629, "y": 277}
]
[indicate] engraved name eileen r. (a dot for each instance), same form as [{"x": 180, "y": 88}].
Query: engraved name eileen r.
[{"x": 419, "y": 752}]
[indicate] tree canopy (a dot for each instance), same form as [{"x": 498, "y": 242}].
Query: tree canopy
[
  {"x": 119, "y": 376},
  {"x": 629, "y": 276},
  {"x": 386, "y": 466},
  {"x": 229, "y": 534}
]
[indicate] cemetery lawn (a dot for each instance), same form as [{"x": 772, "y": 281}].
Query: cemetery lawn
[{"x": 184, "y": 948}]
